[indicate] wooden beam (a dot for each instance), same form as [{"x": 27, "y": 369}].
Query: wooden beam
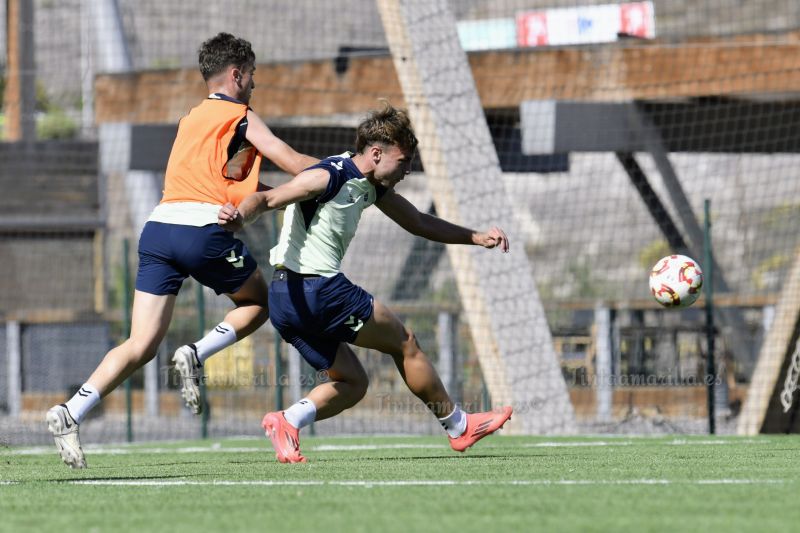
[
  {"x": 743, "y": 301},
  {"x": 19, "y": 101},
  {"x": 12, "y": 105},
  {"x": 286, "y": 89},
  {"x": 498, "y": 293},
  {"x": 661, "y": 70},
  {"x": 761, "y": 411},
  {"x": 658, "y": 70}
]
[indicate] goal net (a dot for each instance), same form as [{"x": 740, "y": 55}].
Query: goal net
[{"x": 591, "y": 131}]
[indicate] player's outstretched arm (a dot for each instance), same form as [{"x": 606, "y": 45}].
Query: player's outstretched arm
[
  {"x": 275, "y": 149},
  {"x": 304, "y": 186},
  {"x": 436, "y": 229}
]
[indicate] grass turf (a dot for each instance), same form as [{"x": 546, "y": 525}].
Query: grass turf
[{"x": 411, "y": 484}]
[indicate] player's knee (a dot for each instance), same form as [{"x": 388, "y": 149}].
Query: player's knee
[
  {"x": 411, "y": 347},
  {"x": 141, "y": 350},
  {"x": 263, "y": 315},
  {"x": 360, "y": 386}
]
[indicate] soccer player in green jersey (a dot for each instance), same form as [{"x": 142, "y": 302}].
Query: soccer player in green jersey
[{"x": 319, "y": 311}]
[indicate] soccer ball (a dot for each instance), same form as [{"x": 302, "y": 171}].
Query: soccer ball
[{"x": 676, "y": 280}]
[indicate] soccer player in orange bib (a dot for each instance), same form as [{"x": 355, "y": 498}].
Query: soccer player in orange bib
[{"x": 214, "y": 161}]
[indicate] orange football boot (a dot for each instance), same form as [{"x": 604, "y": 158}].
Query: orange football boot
[
  {"x": 284, "y": 437},
  {"x": 478, "y": 426}
]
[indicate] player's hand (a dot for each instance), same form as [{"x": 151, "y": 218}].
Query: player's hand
[
  {"x": 230, "y": 218},
  {"x": 494, "y": 238}
]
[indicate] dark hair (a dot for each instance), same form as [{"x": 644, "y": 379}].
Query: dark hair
[
  {"x": 387, "y": 126},
  {"x": 222, "y": 51}
]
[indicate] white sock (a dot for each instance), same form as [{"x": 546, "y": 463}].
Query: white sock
[
  {"x": 301, "y": 414},
  {"x": 455, "y": 423},
  {"x": 83, "y": 402},
  {"x": 218, "y": 338}
]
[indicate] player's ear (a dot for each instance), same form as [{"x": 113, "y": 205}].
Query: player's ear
[{"x": 376, "y": 152}]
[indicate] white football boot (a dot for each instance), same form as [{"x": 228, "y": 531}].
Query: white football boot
[
  {"x": 65, "y": 434},
  {"x": 191, "y": 372}
]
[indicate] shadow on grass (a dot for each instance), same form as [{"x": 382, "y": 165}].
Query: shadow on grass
[{"x": 120, "y": 478}]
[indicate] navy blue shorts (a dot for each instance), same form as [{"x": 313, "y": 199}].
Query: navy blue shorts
[
  {"x": 316, "y": 314},
  {"x": 169, "y": 253}
]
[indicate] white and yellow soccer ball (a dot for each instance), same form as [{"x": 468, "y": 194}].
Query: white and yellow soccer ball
[{"x": 676, "y": 280}]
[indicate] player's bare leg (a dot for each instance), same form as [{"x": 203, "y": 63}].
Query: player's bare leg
[
  {"x": 250, "y": 313},
  {"x": 347, "y": 384},
  {"x": 385, "y": 332},
  {"x": 149, "y": 323},
  {"x": 251, "y": 306}
]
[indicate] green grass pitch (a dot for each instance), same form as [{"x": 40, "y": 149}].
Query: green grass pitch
[{"x": 411, "y": 484}]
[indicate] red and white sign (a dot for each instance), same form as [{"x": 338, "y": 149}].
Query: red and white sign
[
  {"x": 532, "y": 29},
  {"x": 584, "y": 25},
  {"x": 637, "y": 20}
]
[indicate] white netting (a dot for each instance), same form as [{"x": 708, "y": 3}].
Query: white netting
[{"x": 715, "y": 84}]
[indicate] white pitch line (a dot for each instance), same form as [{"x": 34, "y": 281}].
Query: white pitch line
[
  {"x": 674, "y": 442},
  {"x": 217, "y": 448},
  {"x": 713, "y": 442},
  {"x": 126, "y": 451},
  {"x": 423, "y": 483},
  {"x": 99, "y": 450},
  {"x": 576, "y": 444}
]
